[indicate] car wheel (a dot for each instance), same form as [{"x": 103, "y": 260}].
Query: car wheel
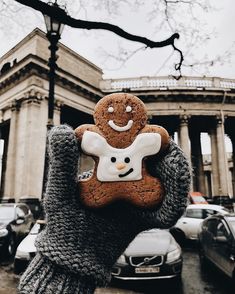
[{"x": 11, "y": 246}]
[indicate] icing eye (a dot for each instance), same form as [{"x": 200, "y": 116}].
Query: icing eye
[
  {"x": 127, "y": 160},
  {"x": 110, "y": 109},
  {"x": 128, "y": 108},
  {"x": 113, "y": 159}
]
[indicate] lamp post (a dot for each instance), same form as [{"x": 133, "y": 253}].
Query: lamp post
[{"x": 54, "y": 31}]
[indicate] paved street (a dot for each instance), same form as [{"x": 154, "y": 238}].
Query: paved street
[{"x": 194, "y": 281}]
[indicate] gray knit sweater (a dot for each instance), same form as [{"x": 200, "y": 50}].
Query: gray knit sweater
[{"x": 78, "y": 247}]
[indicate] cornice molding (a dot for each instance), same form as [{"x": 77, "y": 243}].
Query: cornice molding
[{"x": 33, "y": 68}]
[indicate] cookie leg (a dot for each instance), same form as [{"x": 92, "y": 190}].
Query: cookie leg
[
  {"x": 95, "y": 194},
  {"x": 148, "y": 192}
]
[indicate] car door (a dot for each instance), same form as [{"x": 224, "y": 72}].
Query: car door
[
  {"x": 208, "y": 234},
  {"x": 222, "y": 247}
]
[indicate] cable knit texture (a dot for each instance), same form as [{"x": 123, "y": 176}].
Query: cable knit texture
[{"x": 78, "y": 247}]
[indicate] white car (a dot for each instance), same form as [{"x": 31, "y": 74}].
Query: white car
[
  {"x": 26, "y": 249},
  {"x": 188, "y": 226}
]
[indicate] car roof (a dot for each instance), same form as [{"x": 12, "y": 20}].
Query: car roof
[
  {"x": 12, "y": 204},
  {"x": 205, "y": 206},
  {"x": 8, "y": 204}
]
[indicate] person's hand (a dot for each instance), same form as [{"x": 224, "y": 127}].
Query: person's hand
[{"x": 79, "y": 246}]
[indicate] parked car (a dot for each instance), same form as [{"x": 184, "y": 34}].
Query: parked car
[
  {"x": 153, "y": 254},
  {"x": 225, "y": 201},
  {"x": 187, "y": 227},
  {"x": 217, "y": 243},
  {"x": 197, "y": 198},
  {"x": 34, "y": 204},
  {"x": 16, "y": 220},
  {"x": 26, "y": 249}
]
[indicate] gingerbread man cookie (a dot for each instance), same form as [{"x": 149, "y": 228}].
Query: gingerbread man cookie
[{"x": 119, "y": 142}]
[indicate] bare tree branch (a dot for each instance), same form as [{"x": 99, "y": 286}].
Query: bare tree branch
[{"x": 60, "y": 15}]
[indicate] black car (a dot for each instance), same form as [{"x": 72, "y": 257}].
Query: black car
[
  {"x": 16, "y": 220},
  {"x": 224, "y": 201},
  {"x": 217, "y": 243},
  {"x": 152, "y": 255}
]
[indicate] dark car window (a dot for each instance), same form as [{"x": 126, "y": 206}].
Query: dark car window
[
  {"x": 7, "y": 212},
  {"x": 20, "y": 212},
  {"x": 211, "y": 226},
  {"x": 209, "y": 212},
  {"x": 194, "y": 213},
  {"x": 222, "y": 231}
]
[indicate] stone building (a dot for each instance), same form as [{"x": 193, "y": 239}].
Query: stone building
[{"x": 187, "y": 107}]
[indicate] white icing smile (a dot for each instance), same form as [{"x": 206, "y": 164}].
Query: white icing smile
[{"x": 118, "y": 128}]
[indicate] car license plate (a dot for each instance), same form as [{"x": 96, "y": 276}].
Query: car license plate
[{"x": 147, "y": 270}]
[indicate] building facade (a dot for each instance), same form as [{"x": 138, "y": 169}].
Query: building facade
[{"x": 186, "y": 107}]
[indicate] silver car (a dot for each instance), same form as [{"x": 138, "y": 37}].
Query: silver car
[
  {"x": 26, "y": 249},
  {"x": 153, "y": 254}
]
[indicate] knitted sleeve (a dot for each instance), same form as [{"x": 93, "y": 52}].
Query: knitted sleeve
[{"x": 78, "y": 247}]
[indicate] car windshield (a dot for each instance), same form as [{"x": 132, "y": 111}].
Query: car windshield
[
  {"x": 6, "y": 212},
  {"x": 194, "y": 213}
]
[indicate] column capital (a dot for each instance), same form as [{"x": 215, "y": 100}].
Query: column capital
[
  {"x": 184, "y": 118},
  {"x": 220, "y": 119},
  {"x": 33, "y": 96},
  {"x": 15, "y": 105},
  {"x": 58, "y": 104}
]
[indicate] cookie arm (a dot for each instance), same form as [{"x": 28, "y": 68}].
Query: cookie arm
[
  {"x": 79, "y": 132},
  {"x": 165, "y": 138}
]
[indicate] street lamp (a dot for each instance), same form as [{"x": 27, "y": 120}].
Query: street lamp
[{"x": 54, "y": 31}]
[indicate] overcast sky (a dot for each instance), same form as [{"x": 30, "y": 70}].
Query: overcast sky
[{"x": 150, "y": 62}]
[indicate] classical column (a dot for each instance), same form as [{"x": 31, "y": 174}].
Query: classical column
[
  {"x": 57, "y": 112},
  {"x": 9, "y": 187},
  {"x": 197, "y": 162},
  {"x": 232, "y": 137},
  {"x": 184, "y": 140},
  {"x": 32, "y": 138},
  {"x": 214, "y": 163},
  {"x": 219, "y": 160}
]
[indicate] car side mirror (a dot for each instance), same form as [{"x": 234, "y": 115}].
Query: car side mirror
[
  {"x": 220, "y": 239},
  {"x": 20, "y": 220}
]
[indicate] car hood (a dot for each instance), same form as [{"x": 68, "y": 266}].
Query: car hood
[
  {"x": 27, "y": 244},
  {"x": 4, "y": 223},
  {"x": 151, "y": 243}
]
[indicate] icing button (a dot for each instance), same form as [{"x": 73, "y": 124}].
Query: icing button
[
  {"x": 110, "y": 109},
  {"x": 128, "y": 108}
]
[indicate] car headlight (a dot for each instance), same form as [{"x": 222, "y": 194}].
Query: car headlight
[
  {"x": 173, "y": 255},
  {"x": 3, "y": 232},
  {"x": 22, "y": 255},
  {"x": 121, "y": 260}
]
